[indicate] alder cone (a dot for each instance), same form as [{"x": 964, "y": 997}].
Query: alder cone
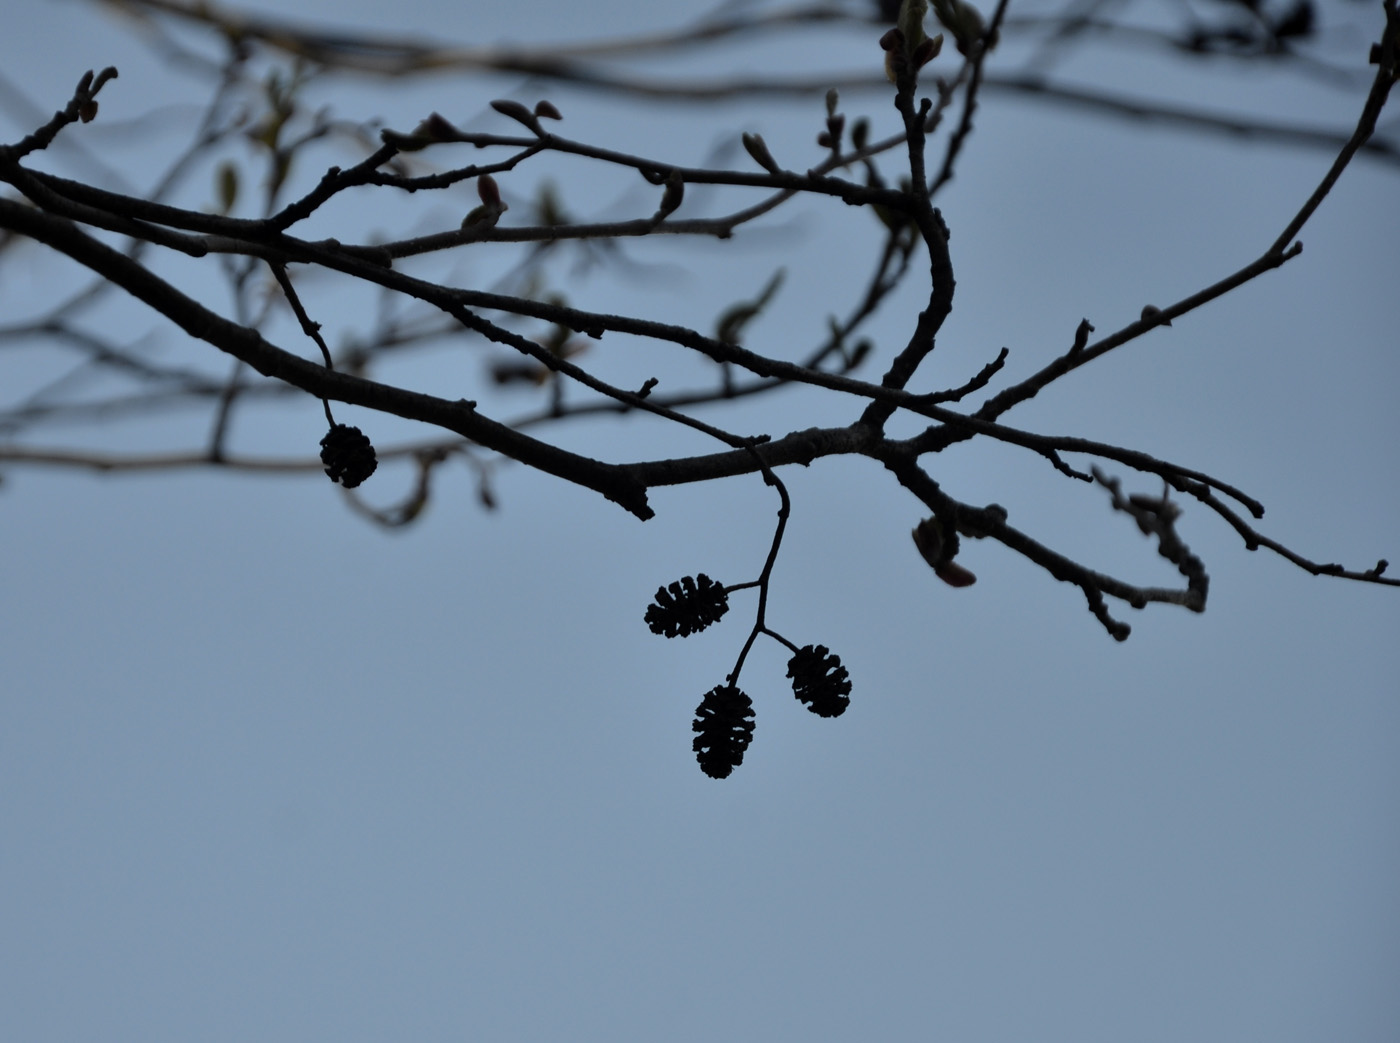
[
  {"x": 820, "y": 681},
  {"x": 687, "y": 606},
  {"x": 724, "y": 727},
  {"x": 348, "y": 455}
]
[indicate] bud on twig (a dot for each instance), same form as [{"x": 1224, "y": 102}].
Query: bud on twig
[
  {"x": 492, "y": 205},
  {"x": 489, "y": 191},
  {"x": 1081, "y": 336},
  {"x": 758, "y": 149},
  {"x": 938, "y": 545},
  {"x": 671, "y": 198},
  {"x": 519, "y": 113}
]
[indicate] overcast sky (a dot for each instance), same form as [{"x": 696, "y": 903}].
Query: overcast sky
[{"x": 270, "y": 773}]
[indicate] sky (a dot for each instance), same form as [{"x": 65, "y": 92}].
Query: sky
[{"x": 270, "y": 772}]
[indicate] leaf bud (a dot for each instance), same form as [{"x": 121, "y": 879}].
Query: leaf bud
[
  {"x": 489, "y": 191},
  {"x": 757, "y": 148},
  {"x": 519, "y": 113}
]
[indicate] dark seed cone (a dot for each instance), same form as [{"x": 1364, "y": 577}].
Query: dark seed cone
[
  {"x": 724, "y": 726},
  {"x": 820, "y": 681},
  {"x": 687, "y": 606},
  {"x": 348, "y": 455}
]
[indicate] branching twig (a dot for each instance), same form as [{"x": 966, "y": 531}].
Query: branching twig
[{"x": 59, "y": 213}]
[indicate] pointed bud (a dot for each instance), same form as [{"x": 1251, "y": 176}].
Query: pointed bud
[
  {"x": 1081, "y": 336},
  {"x": 519, "y": 113},
  {"x": 758, "y": 149}
]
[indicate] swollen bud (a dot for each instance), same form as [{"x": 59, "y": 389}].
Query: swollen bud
[
  {"x": 928, "y": 537},
  {"x": 489, "y": 191},
  {"x": 926, "y": 51},
  {"x": 911, "y": 22},
  {"x": 492, "y": 205},
  {"x": 892, "y": 43},
  {"x": 965, "y": 23},
  {"x": 938, "y": 545}
]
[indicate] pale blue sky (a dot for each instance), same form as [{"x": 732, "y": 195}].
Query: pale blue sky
[{"x": 268, "y": 773}]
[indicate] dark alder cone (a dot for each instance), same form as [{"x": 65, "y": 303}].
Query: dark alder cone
[
  {"x": 348, "y": 455},
  {"x": 724, "y": 728},
  {"x": 820, "y": 681},
  {"x": 687, "y": 606}
]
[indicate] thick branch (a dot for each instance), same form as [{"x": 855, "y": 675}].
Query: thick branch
[{"x": 249, "y": 346}]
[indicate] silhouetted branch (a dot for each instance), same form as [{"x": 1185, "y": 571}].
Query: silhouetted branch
[{"x": 62, "y": 214}]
